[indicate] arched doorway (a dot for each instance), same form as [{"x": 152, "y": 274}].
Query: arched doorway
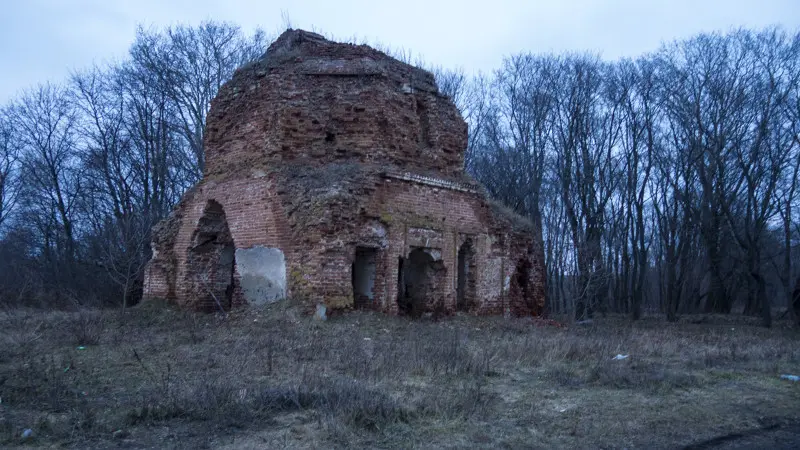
[
  {"x": 421, "y": 282},
  {"x": 211, "y": 259},
  {"x": 465, "y": 284}
]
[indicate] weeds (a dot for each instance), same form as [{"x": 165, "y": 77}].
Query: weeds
[
  {"x": 651, "y": 377},
  {"x": 347, "y": 401},
  {"x": 366, "y": 379},
  {"x": 85, "y": 327}
]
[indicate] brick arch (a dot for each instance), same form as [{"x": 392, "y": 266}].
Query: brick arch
[
  {"x": 210, "y": 261},
  {"x": 422, "y": 283}
]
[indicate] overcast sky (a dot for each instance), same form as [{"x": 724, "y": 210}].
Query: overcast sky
[{"x": 43, "y": 40}]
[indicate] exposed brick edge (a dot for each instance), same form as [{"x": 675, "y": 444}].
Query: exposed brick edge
[{"x": 430, "y": 181}]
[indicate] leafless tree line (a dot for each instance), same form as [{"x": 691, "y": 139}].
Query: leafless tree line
[
  {"x": 667, "y": 182},
  {"x": 664, "y": 183},
  {"x": 88, "y": 166}
]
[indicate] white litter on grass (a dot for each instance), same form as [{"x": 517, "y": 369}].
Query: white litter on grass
[
  {"x": 620, "y": 357},
  {"x": 321, "y": 312},
  {"x": 790, "y": 377},
  {"x": 27, "y": 433}
]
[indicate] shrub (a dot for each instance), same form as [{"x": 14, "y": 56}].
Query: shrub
[{"x": 85, "y": 327}]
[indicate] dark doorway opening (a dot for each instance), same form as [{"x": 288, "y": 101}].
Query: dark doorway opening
[
  {"x": 421, "y": 278},
  {"x": 465, "y": 287},
  {"x": 401, "y": 284},
  {"x": 521, "y": 276},
  {"x": 211, "y": 259},
  {"x": 363, "y": 276},
  {"x": 520, "y": 292}
]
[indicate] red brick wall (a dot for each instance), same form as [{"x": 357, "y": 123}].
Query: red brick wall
[
  {"x": 403, "y": 215},
  {"x": 418, "y": 215},
  {"x": 330, "y": 102},
  {"x": 254, "y": 217},
  {"x": 312, "y": 103}
]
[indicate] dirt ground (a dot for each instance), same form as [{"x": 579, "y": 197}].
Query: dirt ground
[{"x": 157, "y": 377}]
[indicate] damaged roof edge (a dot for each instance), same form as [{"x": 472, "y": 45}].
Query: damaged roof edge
[
  {"x": 431, "y": 181},
  {"x": 517, "y": 221},
  {"x": 294, "y": 45}
]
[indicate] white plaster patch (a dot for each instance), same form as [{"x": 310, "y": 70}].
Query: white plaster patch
[
  {"x": 425, "y": 238},
  {"x": 378, "y": 230},
  {"x": 262, "y": 272},
  {"x": 374, "y": 234},
  {"x": 435, "y": 253},
  {"x": 425, "y": 233}
]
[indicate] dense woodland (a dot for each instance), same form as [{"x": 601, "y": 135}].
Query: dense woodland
[{"x": 665, "y": 184}]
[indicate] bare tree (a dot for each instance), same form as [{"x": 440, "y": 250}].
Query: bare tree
[
  {"x": 9, "y": 168},
  {"x": 586, "y": 133},
  {"x": 159, "y": 167},
  {"x": 191, "y": 64},
  {"x": 762, "y": 156},
  {"x": 702, "y": 96},
  {"x": 45, "y": 119},
  {"x": 120, "y": 217},
  {"x": 788, "y": 187}
]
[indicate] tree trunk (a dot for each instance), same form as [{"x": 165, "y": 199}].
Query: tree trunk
[
  {"x": 766, "y": 307},
  {"x": 795, "y": 304}
]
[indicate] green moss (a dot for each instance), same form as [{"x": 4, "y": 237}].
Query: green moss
[
  {"x": 417, "y": 221},
  {"x": 339, "y": 301},
  {"x": 386, "y": 218},
  {"x": 299, "y": 284}
]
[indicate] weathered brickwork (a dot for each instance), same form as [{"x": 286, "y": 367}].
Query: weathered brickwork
[{"x": 344, "y": 167}]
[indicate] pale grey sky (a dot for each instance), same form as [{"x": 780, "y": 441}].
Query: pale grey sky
[{"x": 42, "y": 40}]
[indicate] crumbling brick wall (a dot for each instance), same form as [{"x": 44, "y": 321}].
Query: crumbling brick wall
[
  {"x": 321, "y": 152},
  {"x": 313, "y": 101}
]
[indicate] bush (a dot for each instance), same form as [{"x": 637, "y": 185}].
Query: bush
[{"x": 85, "y": 327}]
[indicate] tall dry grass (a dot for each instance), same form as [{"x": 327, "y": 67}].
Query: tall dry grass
[{"x": 86, "y": 378}]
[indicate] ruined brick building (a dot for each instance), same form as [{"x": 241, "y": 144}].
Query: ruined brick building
[{"x": 335, "y": 174}]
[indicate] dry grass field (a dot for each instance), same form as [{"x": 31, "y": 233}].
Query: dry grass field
[{"x": 274, "y": 378}]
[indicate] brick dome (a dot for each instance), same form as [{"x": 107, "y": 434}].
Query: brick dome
[{"x": 312, "y": 99}]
